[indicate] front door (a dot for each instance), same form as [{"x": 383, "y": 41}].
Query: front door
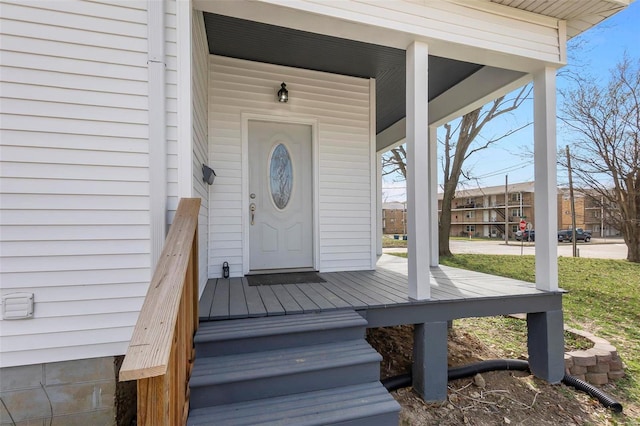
[{"x": 280, "y": 196}]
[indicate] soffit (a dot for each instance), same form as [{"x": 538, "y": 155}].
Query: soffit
[
  {"x": 580, "y": 15},
  {"x": 254, "y": 41}
]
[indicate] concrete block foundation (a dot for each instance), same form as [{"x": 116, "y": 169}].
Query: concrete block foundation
[{"x": 80, "y": 392}]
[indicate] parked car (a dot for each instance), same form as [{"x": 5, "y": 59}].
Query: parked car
[
  {"x": 526, "y": 235},
  {"x": 567, "y": 235}
]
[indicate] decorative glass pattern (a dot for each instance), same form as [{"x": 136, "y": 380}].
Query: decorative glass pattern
[{"x": 281, "y": 176}]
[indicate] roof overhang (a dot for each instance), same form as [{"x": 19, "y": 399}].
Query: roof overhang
[
  {"x": 279, "y": 33},
  {"x": 579, "y": 15}
]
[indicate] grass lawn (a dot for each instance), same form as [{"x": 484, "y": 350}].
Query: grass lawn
[
  {"x": 603, "y": 297},
  {"x": 389, "y": 241}
]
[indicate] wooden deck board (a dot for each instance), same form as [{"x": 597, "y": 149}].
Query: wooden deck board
[
  {"x": 303, "y": 300},
  {"x": 206, "y": 300},
  {"x": 367, "y": 279},
  {"x": 337, "y": 286},
  {"x": 443, "y": 286},
  {"x": 438, "y": 292},
  {"x": 329, "y": 289},
  {"x": 237, "y": 299},
  {"x": 290, "y": 305},
  {"x": 400, "y": 287},
  {"x": 478, "y": 284},
  {"x": 360, "y": 290},
  {"x": 381, "y": 294},
  {"x": 254, "y": 301},
  {"x": 370, "y": 297},
  {"x": 220, "y": 306},
  {"x": 319, "y": 299},
  {"x": 271, "y": 302}
]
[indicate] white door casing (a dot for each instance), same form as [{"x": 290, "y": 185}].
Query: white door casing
[{"x": 280, "y": 196}]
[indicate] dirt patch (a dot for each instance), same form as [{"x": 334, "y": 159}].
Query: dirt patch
[
  {"x": 497, "y": 398},
  {"x": 125, "y": 398}
]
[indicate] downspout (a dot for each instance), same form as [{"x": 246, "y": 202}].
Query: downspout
[{"x": 157, "y": 127}]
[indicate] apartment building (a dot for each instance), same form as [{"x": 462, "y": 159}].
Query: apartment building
[
  {"x": 592, "y": 213},
  {"x": 394, "y": 218},
  {"x": 483, "y": 212}
]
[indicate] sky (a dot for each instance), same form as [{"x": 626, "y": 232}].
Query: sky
[{"x": 600, "y": 49}]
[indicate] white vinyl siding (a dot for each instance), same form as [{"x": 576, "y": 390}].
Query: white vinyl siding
[
  {"x": 340, "y": 104},
  {"x": 479, "y": 25},
  {"x": 200, "y": 52},
  {"x": 74, "y": 192}
]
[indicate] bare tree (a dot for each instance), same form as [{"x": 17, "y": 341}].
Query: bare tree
[
  {"x": 458, "y": 145},
  {"x": 604, "y": 122},
  {"x": 395, "y": 162}
]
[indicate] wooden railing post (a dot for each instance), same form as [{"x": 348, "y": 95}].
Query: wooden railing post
[{"x": 160, "y": 355}]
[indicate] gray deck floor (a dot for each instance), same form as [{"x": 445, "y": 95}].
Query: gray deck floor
[{"x": 384, "y": 288}]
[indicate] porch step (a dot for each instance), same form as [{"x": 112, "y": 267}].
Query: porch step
[
  {"x": 308, "y": 369},
  {"x": 217, "y": 338},
  {"x": 358, "y": 405},
  {"x": 242, "y": 377}
]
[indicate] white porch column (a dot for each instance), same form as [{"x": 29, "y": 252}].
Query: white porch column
[
  {"x": 418, "y": 171},
  {"x": 546, "y": 199},
  {"x": 433, "y": 196}
]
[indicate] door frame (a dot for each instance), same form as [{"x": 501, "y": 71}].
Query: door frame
[{"x": 315, "y": 181}]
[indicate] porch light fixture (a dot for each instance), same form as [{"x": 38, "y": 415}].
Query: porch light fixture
[
  {"x": 283, "y": 93},
  {"x": 208, "y": 175}
]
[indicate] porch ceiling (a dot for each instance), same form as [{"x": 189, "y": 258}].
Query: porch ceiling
[{"x": 254, "y": 41}]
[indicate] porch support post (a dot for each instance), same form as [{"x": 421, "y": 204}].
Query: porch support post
[
  {"x": 545, "y": 341},
  {"x": 546, "y": 193},
  {"x": 417, "y": 171},
  {"x": 430, "y": 368},
  {"x": 545, "y": 329},
  {"x": 433, "y": 196}
]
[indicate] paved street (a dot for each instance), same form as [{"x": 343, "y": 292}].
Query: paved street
[{"x": 603, "y": 249}]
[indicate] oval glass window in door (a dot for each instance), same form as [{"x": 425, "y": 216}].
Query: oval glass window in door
[{"x": 280, "y": 176}]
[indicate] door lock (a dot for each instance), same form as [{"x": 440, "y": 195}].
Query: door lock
[{"x": 252, "y": 208}]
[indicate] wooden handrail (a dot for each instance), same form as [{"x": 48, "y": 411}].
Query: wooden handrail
[{"x": 160, "y": 354}]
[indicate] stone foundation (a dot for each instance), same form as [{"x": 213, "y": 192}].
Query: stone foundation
[
  {"x": 597, "y": 365},
  {"x": 71, "y": 393}
]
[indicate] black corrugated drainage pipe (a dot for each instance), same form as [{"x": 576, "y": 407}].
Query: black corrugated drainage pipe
[
  {"x": 404, "y": 380},
  {"x": 604, "y": 399}
]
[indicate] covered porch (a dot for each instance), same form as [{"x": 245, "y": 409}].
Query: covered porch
[
  {"x": 359, "y": 86},
  {"x": 361, "y": 95}
]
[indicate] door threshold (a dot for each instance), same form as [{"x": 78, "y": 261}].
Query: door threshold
[{"x": 279, "y": 271}]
